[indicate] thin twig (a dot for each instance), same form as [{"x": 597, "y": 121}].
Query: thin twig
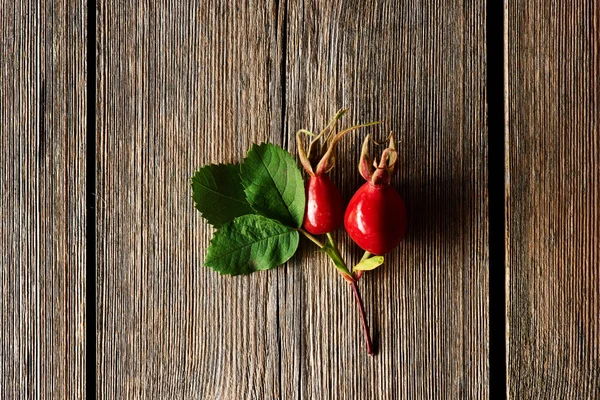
[{"x": 363, "y": 318}]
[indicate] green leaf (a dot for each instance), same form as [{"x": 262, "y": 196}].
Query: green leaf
[
  {"x": 273, "y": 184},
  {"x": 218, "y": 193},
  {"x": 251, "y": 243},
  {"x": 369, "y": 264}
]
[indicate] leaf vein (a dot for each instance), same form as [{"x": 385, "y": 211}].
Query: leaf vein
[{"x": 241, "y": 248}]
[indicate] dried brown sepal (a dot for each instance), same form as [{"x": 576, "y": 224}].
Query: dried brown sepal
[
  {"x": 365, "y": 165},
  {"x": 383, "y": 171},
  {"x": 386, "y": 167},
  {"x": 307, "y": 156},
  {"x": 326, "y": 164},
  {"x": 392, "y": 145},
  {"x": 328, "y": 141},
  {"x": 328, "y": 131},
  {"x": 304, "y": 158}
]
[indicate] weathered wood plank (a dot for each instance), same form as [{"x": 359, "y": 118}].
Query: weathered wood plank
[
  {"x": 180, "y": 84},
  {"x": 553, "y": 202},
  {"x": 420, "y": 66},
  {"x": 42, "y": 199}
]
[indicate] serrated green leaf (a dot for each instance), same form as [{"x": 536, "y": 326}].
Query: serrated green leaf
[
  {"x": 369, "y": 264},
  {"x": 218, "y": 193},
  {"x": 273, "y": 184},
  {"x": 251, "y": 243}
]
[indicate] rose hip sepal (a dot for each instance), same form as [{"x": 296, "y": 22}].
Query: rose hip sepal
[{"x": 375, "y": 218}]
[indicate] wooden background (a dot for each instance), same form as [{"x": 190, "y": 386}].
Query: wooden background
[
  {"x": 43, "y": 135},
  {"x": 553, "y": 199},
  {"x": 181, "y": 84}
]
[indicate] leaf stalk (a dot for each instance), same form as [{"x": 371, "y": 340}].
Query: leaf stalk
[{"x": 311, "y": 238}]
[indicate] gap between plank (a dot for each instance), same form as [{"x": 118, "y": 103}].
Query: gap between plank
[
  {"x": 495, "y": 54},
  {"x": 282, "y": 8},
  {"x": 90, "y": 200}
]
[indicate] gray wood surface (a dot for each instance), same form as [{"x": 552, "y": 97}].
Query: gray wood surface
[
  {"x": 181, "y": 85},
  {"x": 42, "y": 199},
  {"x": 553, "y": 202}
]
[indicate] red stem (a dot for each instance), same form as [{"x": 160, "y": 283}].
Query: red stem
[{"x": 363, "y": 318}]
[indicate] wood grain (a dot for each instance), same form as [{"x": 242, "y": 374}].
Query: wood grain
[
  {"x": 553, "y": 202},
  {"x": 42, "y": 199},
  {"x": 181, "y": 85},
  {"x": 420, "y": 66}
]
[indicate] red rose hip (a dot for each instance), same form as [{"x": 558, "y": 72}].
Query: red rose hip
[
  {"x": 324, "y": 206},
  {"x": 375, "y": 218}
]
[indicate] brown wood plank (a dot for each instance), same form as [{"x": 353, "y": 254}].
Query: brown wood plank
[
  {"x": 420, "y": 66},
  {"x": 553, "y": 202},
  {"x": 42, "y": 199},
  {"x": 180, "y": 84},
  {"x": 183, "y": 85}
]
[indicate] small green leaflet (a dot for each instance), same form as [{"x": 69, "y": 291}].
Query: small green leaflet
[
  {"x": 219, "y": 194},
  {"x": 251, "y": 243},
  {"x": 273, "y": 184},
  {"x": 369, "y": 264}
]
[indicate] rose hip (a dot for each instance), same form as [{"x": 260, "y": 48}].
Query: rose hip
[
  {"x": 324, "y": 206},
  {"x": 375, "y": 218}
]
